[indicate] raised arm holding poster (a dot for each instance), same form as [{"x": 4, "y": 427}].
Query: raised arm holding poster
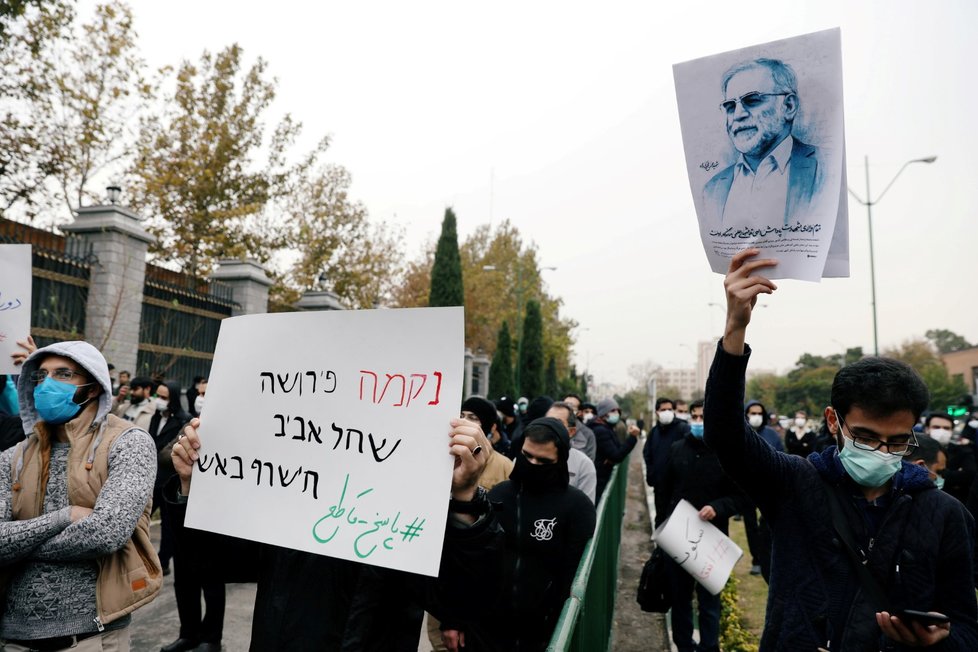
[
  {"x": 764, "y": 136},
  {"x": 15, "y": 301},
  {"x": 326, "y": 432}
]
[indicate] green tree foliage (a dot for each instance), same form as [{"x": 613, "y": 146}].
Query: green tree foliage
[
  {"x": 501, "y": 382},
  {"x": 923, "y": 356},
  {"x": 446, "y": 272},
  {"x": 531, "y": 362},
  {"x": 196, "y": 172},
  {"x": 493, "y": 295},
  {"x": 72, "y": 94},
  {"x": 341, "y": 250},
  {"x": 551, "y": 383},
  {"x": 947, "y": 341}
]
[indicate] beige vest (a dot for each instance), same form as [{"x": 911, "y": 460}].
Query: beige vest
[{"x": 129, "y": 577}]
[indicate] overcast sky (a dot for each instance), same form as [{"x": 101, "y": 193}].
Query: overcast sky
[{"x": 570, "y": 108}]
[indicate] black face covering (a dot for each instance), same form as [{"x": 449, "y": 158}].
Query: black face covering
[{"x": 538, "y": 477}]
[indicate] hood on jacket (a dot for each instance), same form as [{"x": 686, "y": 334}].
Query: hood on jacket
[
  {"x": 911, "y": 478},
  {"x": 561, "y": 439},
  {"x": 84, "y": 355},
  {"x": 765, "y": 414}
]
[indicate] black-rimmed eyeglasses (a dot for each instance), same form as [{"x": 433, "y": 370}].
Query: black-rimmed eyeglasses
[
  {"x": 902, "y": 444},
  {"x": 749, "y": 101}
]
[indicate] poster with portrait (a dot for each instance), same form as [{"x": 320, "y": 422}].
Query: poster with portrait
[{"x": 764, "y": 135}]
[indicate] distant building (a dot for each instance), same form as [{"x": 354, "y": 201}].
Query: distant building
[{"x": 964, "y": 365}]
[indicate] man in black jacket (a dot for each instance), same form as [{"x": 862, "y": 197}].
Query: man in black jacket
[
  {"x": 666, "y": 432},
  {"x": 609, "y": 450},
  {"x": 861, "y": 537},
  {"x": 547, "y": 524},
  {"x": 693, "y": 474}
]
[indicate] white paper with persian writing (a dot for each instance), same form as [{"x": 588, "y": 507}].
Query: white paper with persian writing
[
  {"x": 328, "y": 432},
  {"x": 698, "y": 547}
]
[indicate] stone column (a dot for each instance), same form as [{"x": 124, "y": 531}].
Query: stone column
[
  {"x": 249, "y": 285},
  {"x": 115, "y": 292},
  {"x": 467, "y": 376},
  {"x": 319, "y": 300},
  {"x": 480, "y": 366}
]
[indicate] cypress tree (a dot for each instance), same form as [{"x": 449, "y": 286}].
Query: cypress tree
[
  {"x": 501, "y": 370},
  {"x": 446, "y": 272},
  {"x": 531, "y": 353},
  {"x": 552, "y": 383}
]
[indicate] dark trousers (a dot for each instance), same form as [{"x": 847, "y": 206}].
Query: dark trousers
[
  {"x": 759, "y": 541},
  {"x": 683, "y": 585},
  {"x": 188, "y": 584},
  {"x": 166, "y": 529}
]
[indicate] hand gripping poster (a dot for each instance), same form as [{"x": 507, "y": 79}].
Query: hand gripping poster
[{"x": 764, "y": 136}]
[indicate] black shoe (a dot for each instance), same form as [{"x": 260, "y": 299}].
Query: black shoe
[
  {"x": 207, "y": 647},
  {"x": 180, "y": 645}
]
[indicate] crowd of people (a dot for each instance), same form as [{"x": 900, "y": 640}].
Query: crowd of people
[
  {"x": 862, "y": 522},
  {"x": 77, "y": 558}
]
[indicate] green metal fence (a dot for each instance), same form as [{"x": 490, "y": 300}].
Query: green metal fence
[{"x": 585, "y": 621}]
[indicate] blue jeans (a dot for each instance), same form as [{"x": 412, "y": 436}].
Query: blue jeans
[{"x": 683, "y": 584}]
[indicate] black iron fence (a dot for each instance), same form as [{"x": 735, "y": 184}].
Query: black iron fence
[{"x": 180, "y": 323}]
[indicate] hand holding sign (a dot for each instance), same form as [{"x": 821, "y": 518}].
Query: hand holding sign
[{"x": 742, "y": 286}]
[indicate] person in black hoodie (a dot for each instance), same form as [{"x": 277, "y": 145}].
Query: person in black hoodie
[
  {"x": 667, "y": 431},
  {"x": 547, "y": 524},
  {"x": 693, "y": 474}
]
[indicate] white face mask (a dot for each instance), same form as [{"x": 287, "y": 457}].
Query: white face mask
[
  {"x": 941, "y": 435},
  {"x": 162, "y": 404},
  {"x": 682, "y": 416},
  {"x": 784, "y": 423},
  {"x": 755, "y": 420},
  {"x": 588, "y": 416},
  {"x": 199, "y": 404},
  {"x": 800, "y": 422},
  {"x": 666, "y": 417},
  {"x": 973, "y": 424}
]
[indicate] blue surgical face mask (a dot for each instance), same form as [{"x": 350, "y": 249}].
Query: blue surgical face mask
[
  {"x": 613, "y": 418},
  {"x": 696, "y": 428},
  {"x": 868, "y": 468},
  {"x": 939, "y": 481},
  {"x": 54, "y": 401}
]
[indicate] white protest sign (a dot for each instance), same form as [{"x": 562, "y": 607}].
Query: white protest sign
[
  {"x": 15, "y": 301},
  {"x": 328, "y": 432},
  {"x": 764, "y": 134},
  {"x": 698, "y": 546}
]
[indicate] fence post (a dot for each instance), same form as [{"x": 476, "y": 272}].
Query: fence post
[
  {"x": 115, "y": 295},
  {"x": 249, "y": 285},
  {"x": 319, "y": 300}
]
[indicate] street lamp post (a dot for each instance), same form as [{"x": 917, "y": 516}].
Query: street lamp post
[{"x": 869, "y": 203}]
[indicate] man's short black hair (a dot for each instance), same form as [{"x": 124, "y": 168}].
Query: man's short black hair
[
  {"x": 571, "y": 395},
  {"x": 662, "y": 399},
  {"x": 927, "y": 450},
  {"x": 142, "y": 381},
  {"x": 880, "y": 387},
  {"x": 938, "y": 415},
  {"x": 698, "y": 403}
]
